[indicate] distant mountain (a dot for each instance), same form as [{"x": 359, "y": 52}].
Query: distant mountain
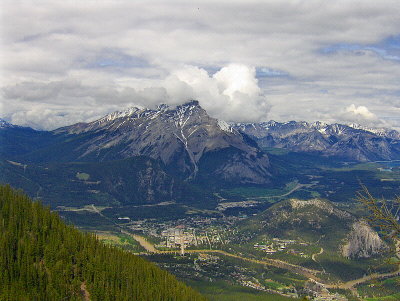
[
  {"x": 352, "y": 142},
  {"x": 17, "y": 140},
  {"x": 384, "y": 132},
  {"x": 134, "y": 157},
  {"x": 191, "y": 144}
]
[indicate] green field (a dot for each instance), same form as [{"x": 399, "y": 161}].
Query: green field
[
  {"x": 120, "y": 240},
  {"x": 259, "y": 192},
  {"x": 387, "y": 290},
  {"x": 223, "y": 291}
]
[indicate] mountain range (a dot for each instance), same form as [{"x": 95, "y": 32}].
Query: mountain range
[
  {"x": 189, "y": 143},
  {"x": 349, "y": 142},
  {"x": 178, "y": 153}
]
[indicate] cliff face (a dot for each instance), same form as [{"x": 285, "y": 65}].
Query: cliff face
[{"x": 363, "y": 242}]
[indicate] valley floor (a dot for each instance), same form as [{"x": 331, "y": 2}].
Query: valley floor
[{"x": 308, "y": 273}]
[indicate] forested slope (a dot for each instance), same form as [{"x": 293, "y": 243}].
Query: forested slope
[{"x": 42, "y": 258}]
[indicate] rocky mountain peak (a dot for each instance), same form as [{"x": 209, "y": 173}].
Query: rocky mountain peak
[
  {"x": 185, "y": 138},
  {"x": 162, "y": 107}
]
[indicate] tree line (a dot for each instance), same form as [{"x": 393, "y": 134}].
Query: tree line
[{"x": 42, "y": 258}]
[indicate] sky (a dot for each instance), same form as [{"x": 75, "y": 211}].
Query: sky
[{"x": 64, "y": 62}]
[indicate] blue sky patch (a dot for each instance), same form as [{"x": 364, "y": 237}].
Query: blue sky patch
[
  {"x": 262, "y": 72},
  {"x": 388, "y": 49},
  {"x": 115, "y": 58}
]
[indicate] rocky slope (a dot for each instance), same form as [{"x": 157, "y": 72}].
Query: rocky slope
[
  {"x": 363, "y": 242},
  {"x": 352, "y": 142},
  {"x": 184, "y": 138},
  {"x": 189, "y": 143}
]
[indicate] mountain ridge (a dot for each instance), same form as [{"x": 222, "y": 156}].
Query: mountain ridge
[
  {"x": 350, "y": 142},
  {"x": 185, "y": 139},
  {"x": 167, "y": 133}
]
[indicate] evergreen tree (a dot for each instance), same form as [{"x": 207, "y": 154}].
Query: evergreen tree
[{"x": 42, "y": 258}]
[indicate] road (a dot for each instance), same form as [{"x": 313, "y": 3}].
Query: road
[
  {"x": 297, "y": 187},
  {"x": 350, "y": 284},
  {"x": 309, "y": 273}
]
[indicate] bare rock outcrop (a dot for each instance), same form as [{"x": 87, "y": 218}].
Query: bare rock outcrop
[{"x": 363, "y": 242}]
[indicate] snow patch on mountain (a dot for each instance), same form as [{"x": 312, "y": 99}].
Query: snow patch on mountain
[
  {"x": 223, "y": 125},
  {"x": 121, "y": 114},
  {"x": 383, "y": 132}
]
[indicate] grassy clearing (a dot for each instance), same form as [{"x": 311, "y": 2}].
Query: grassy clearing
[
  {"x": 223, "y": 291},
  {"x": 257, "y": 192},
  {"x": 120, "y": 240},
  {"x": 272, "y": 284},
  {"x": 82, "y": 176}
]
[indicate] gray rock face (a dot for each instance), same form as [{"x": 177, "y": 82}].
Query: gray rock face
[
  {"x": 184, "y": 138},
  {"x": 347, "y": 141},
  {"x": 363, "y": 242}
]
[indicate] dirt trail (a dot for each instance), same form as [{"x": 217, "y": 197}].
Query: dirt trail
[
  {"x": 315, "y": 254},
  {"x": 85, "y": 293}
]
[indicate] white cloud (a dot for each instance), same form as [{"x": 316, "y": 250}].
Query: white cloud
[
  {"x": 360, "y": 112},
  {"x": 232, "y": 93},
  {"x": 115, "y": 54},
  {"x": 237, "y": 78}
]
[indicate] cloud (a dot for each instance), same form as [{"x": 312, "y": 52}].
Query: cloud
[
  {"x": 361, "y": 112},
  {"x": 361, "y": 115},
  {"x": 236, "y": 78},
  {"x": 232, "y": 94},
  {"x": 265, "y": 72},
  {"x": 244, "y": 60}
]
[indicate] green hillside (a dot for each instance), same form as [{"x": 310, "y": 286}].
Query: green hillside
[
  {"x": 310, "y": 233},
  {"x": 42, "y": 258},
  {"x": 134, "y": 181}
]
